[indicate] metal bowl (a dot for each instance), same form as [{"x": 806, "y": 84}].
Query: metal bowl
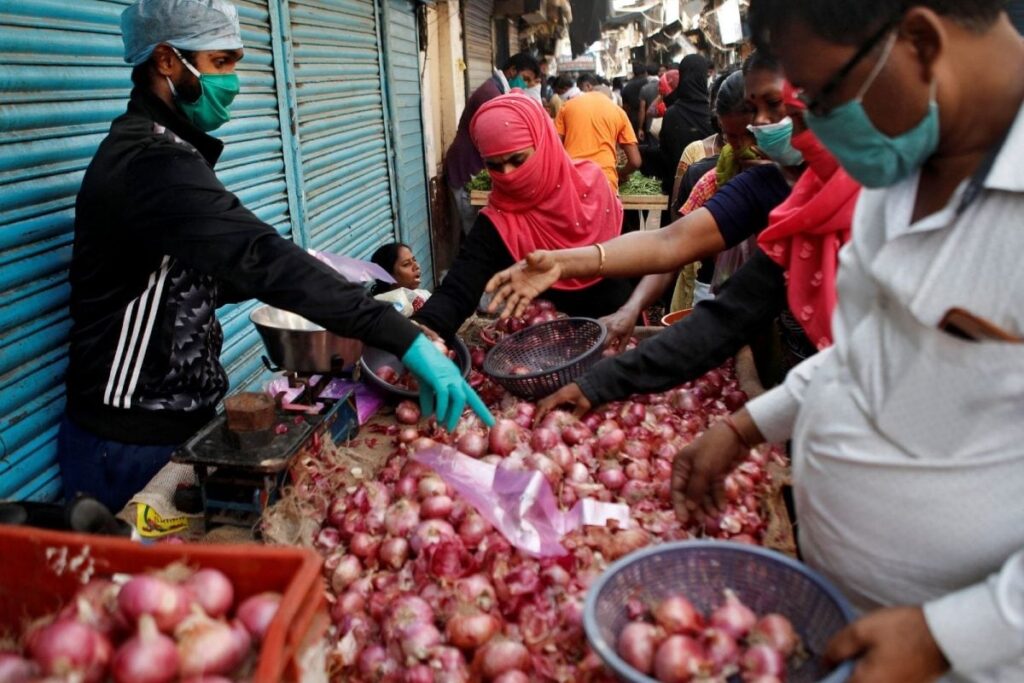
[
  {"x": 374, "y": 358},
  {"x": 296, "y": 344}
]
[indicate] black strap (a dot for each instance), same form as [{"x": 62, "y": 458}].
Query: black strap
[{"x": 977, "y": 183}]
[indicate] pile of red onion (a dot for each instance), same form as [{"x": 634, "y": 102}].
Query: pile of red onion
[
  {"x": 675, "y": 643},
  {"x": 423, "y": 588},
  {"x": 175, "y": 625},
  {"x": 539, "y": 311}
]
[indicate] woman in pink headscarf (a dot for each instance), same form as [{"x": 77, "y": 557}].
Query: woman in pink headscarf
[{"x": 540, "y": 199}]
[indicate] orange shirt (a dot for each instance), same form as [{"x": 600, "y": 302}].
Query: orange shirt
[{"x": 591, "y": 126}]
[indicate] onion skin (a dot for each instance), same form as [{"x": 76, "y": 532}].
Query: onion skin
[
  {"x": 257, "y": 612},
  {"x": 677, "y": 615},
  {"x": 636, "y": 645},
  {"x": 206, "y": 646},
  {"x": 679, "y": 659},
  {"x": 470, "y": 630},
  {"x": 147, "y": 657},
  {"x": 166, "y": 602},
  {"x": 777, "y": 632},
  {"x": 501, "y": 656},
  {"x": 16, "y": 669},
  {"x": 65, "y": 647}
]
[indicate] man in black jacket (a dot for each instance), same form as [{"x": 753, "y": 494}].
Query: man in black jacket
[{"x": 160, "y": 243}]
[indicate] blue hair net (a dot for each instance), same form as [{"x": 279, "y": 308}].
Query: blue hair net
[{"x": 185, "y": 24}]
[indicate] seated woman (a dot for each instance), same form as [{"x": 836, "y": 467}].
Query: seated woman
[
  {"x": 540, "y": 199},
  {"x": 794, "y": 268},
  {"x": 398, "y": 261}
]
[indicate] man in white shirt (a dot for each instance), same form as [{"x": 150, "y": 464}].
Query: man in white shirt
[{"x": 908, "y": 434}]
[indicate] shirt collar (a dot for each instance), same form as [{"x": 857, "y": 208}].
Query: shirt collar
[
  {"x": 145, "y": 102},
  {"x": 1008, "y": 171}
]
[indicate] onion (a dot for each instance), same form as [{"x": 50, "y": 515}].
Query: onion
[
  {"x": 543, "y": 439},
  {"x": 431, "y": 485},
  {"x": 372, "y": 662},
  {"x": 364, "y": 545},
  {"x": 430, "y": 532},
  {"x": 578, "y": 473},
  {"x": 546, "y": 466},
  {"x": 394, "y": 552},
  {"x": 500, "y": 656},
  {"x": 513, "y": 676},
  {"x": 206, "y": 646},
  {"x": 473, "y": 530},
  {"x": 775, "y": 631},
  {"x": 613, "y": 478},
  {"x": 150, "y": 656},
  {"x": 734, "y": 618},
  {"x": 348, "y": 569},
  {"x": 677, "y": 615},
  {"x": 436, "y": 507},
  {"x": 734, "y": 400},
  {"x": 206, "y": 679},
  {"x": 472, "y": 444},
  {"x": 349, "y": 602},
  {"x": 575, "y": 433},
  {"x": 686, "y": 401},
  {"x": 611, "y": 441},
  {"x": 407, "y": 611},
  {"x": 422, "y": 444},
  {"x": 328, "y": 538},
  {"x": 16, "y": 669},
  {"x": 402, "y": 517},
  {"x": 166, "y": 602},
  {"x": 408, "y": 435},
  {"x": 504, "y": 436},
  {"x": 679, "y": 659},
  {"x": 70, "y": 648},
  {"x": 95, "y": 604},
  {"x": 418, "y": 639},
  {"x": 421, "y": 673},
  {"x": 471, "y": 629},
  {"x": 723, "y": 650},
  {"x": 639, "y": 471},
  {"x": 476, "y": 590},
  {"x": 763, "y": 660},
  {"x": 257, "y": 612},
  {"x": 407, "y": 413},
  {"x": 636, "y": 645}
]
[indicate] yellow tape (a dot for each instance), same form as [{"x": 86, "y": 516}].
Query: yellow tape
[{"x": 150, "y": 524}]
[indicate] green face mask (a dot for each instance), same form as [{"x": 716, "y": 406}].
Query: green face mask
[{"x": 217, "y": 92}]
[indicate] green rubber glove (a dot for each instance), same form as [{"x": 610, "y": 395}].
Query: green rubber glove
[{"x": 442, "y": 387}]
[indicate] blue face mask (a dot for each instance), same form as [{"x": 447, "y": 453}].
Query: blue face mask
[
  {"x": 517, "y": 82},
  {"x": 871, "y": 157},
  {"x": 776, "y": 140}
]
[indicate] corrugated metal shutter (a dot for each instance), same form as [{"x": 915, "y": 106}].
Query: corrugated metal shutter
[
  {"x": 513, "y": 36},
  {"x": 476, "y": 34},
  {"x": 62, "y": 82},
  {"x": 253, "y": 166},
  {"x": 341, "y": 125},
  {"x": 405, "y": 102}
]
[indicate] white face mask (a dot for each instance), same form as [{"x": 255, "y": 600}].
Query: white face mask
[{"x": 534, "y": 92}]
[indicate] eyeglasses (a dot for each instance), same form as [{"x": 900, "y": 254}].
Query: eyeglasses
[{"x": 816, "y": 105}]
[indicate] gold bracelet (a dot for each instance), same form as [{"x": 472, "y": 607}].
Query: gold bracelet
[
  {"x": 601, "y": 257},
  {"x": 731, "y": 424}
]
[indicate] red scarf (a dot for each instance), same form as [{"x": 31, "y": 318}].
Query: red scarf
[
  {"x": 805, "y": 233},
  {"x": 551, "y": 201}
]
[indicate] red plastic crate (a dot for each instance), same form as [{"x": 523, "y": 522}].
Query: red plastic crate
[{"x": 33, "y": 584}]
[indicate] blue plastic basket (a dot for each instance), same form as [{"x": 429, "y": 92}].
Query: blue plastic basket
[{"x": 702, "y": 570}]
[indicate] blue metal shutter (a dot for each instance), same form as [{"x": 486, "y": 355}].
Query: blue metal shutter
[
  {"x": 405, "y": 103},
  {"x": 253, "y": 166},
  {"x": 62, "y": 81},
  {"x": 341, "y": 125},
  {"x": 478, "y": 42}
]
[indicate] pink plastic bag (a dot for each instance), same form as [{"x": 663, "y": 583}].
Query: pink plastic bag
[{"x": 519, "y": 504}]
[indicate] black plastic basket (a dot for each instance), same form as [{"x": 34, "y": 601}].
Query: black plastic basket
[
  {"x": 374, "y": 358},
  {"x": 543, "y": 358},
  {"x": 702, "y": 570}
]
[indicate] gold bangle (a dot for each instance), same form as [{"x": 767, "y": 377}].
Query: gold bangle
[
  {"x": 731, "y": 424},
  {"x": 601, "y": 257}
]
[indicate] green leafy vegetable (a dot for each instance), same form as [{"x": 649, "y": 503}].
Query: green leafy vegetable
[
  {"x": 638, "y": 183},
  {"x": 481, "y": 181}
]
